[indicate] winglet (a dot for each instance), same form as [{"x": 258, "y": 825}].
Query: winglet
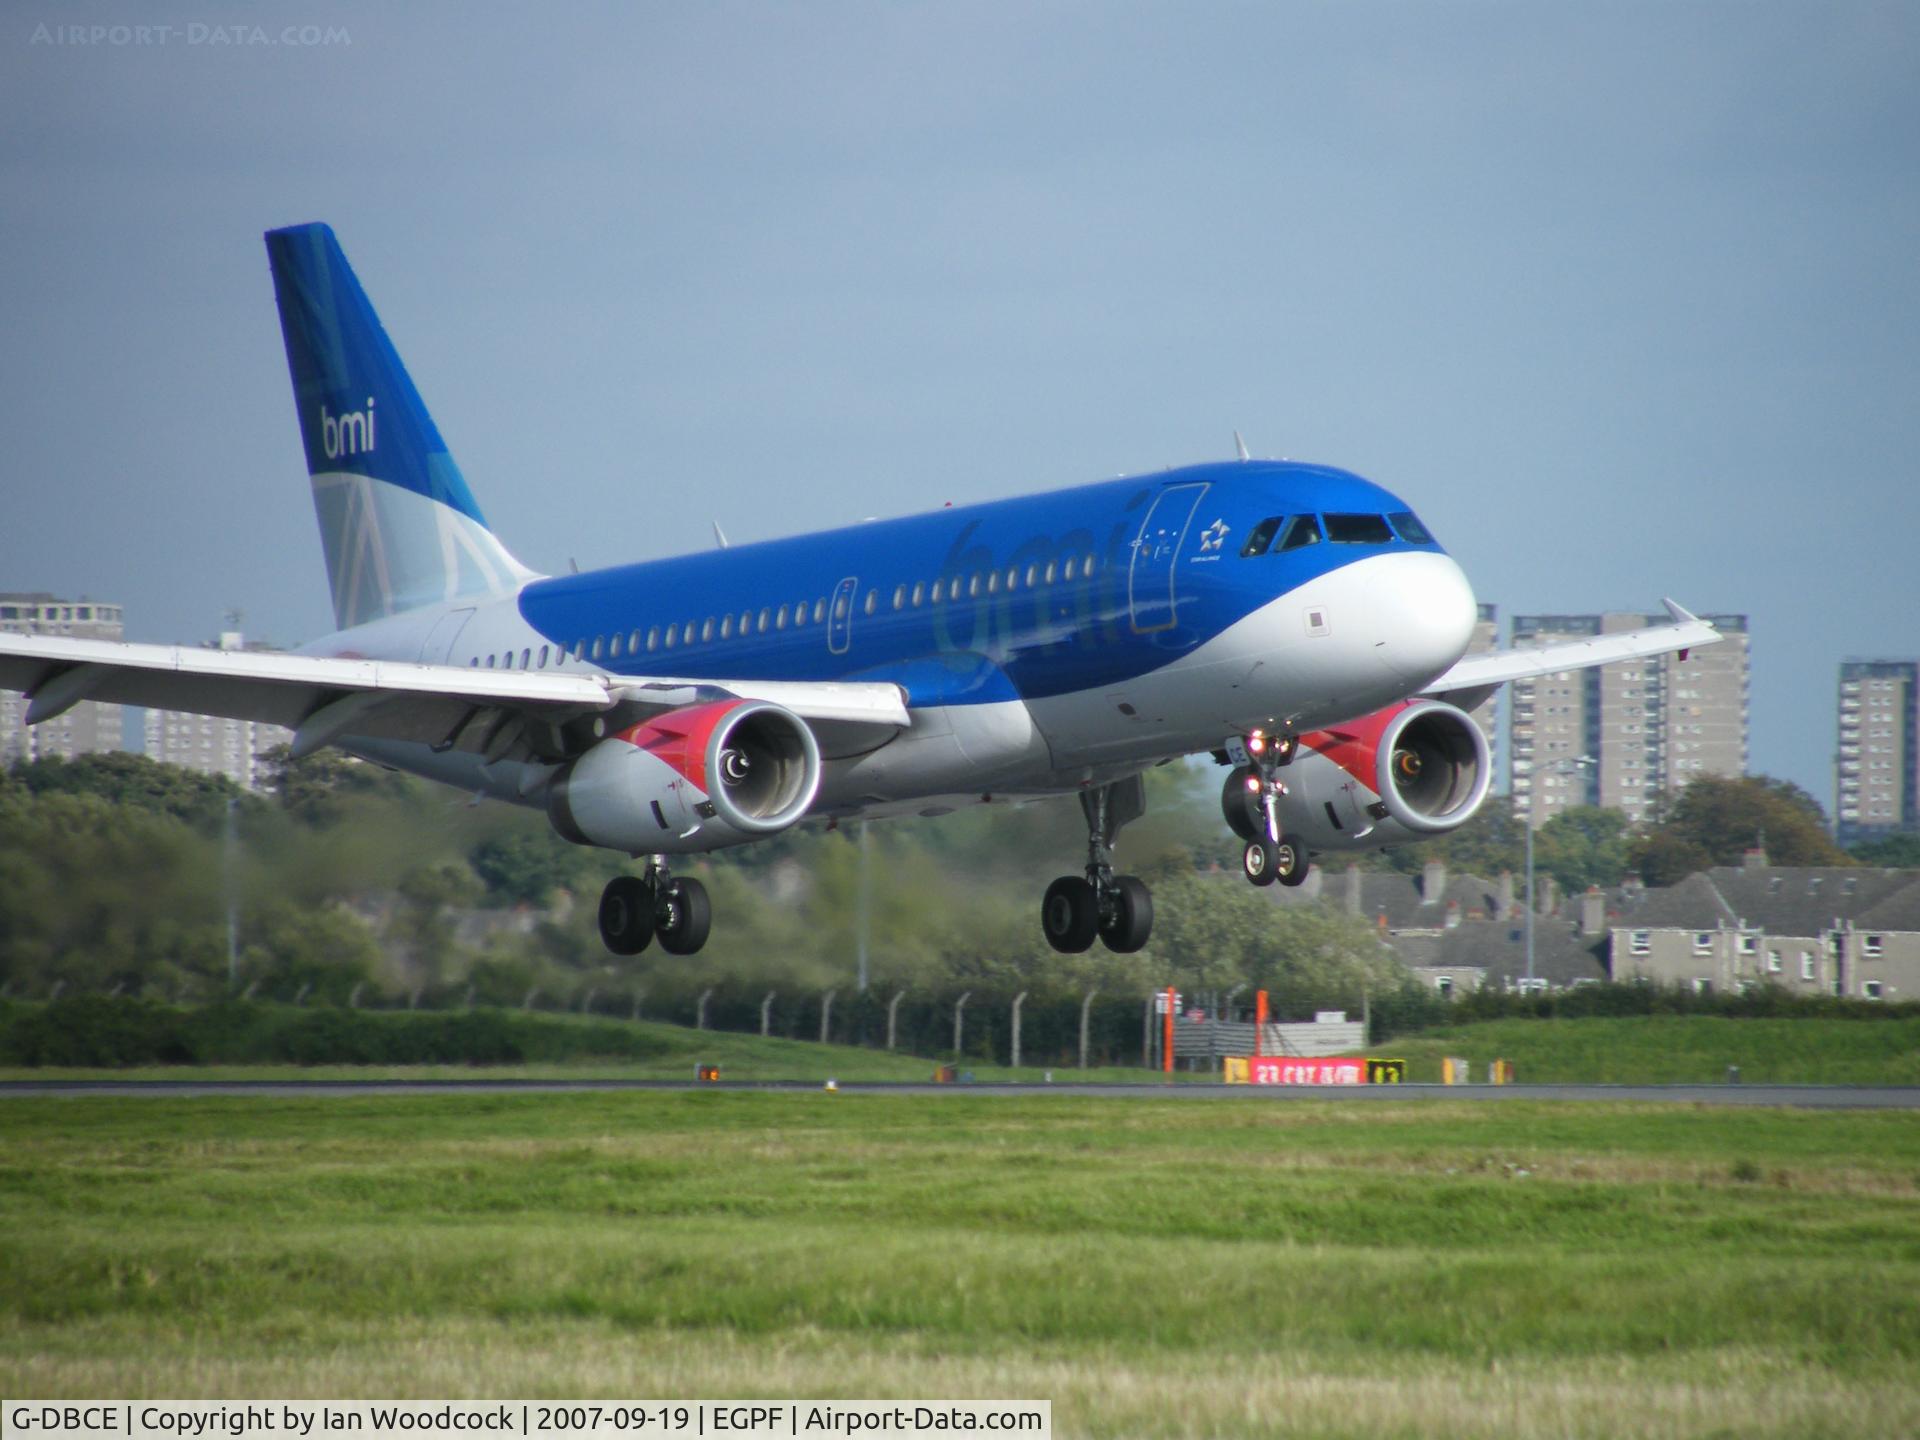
[
  {"x": 1241, "y": 446},
  {"x": 1681, "y": 615}
]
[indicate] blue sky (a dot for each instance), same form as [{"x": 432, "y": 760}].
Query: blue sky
[{"x": 1622, "y": 297}]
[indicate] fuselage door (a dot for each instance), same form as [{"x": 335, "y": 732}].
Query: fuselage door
[
  {"x": 438, "y": 645},
  {"x": 1156, "y": 549},
  {"x": 840, "y": 616}
]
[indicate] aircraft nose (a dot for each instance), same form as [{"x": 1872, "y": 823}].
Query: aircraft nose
[{"x": 1434, "y": 617}]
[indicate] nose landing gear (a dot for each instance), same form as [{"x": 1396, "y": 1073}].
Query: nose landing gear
[
  {"x": 637, "y": 909},
  {"x": 1250, "y": 802},
  {"x": 1117, "y": 909}
]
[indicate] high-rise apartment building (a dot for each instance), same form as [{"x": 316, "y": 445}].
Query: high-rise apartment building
[
  {"x": 213, "y": 745},
  {"x": 89, "y": 726},
  {"x": 1874, "y": 789},
  {"x": 1627, "y": 734},
  {"x": 1486, "y": 636}
]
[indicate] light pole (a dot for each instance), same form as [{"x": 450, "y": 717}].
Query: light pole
[{"x": 1559, "y": 767}]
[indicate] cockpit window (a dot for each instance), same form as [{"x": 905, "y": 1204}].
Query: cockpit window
[
  {"x": 1410, "y": 528},
  {"x": 1303, "y": 531},
  {"x": 1358, "y": 530},
  {"x": 1262, "y": 536}
]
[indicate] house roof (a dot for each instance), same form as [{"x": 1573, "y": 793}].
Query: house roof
[{"x": 1780, "y": 899}]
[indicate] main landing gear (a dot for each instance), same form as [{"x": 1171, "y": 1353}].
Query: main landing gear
[
  {"x": 636, "y": 909},
  {"x": 1117, "y": 909},
  {"x": 1250, "y": 802}
]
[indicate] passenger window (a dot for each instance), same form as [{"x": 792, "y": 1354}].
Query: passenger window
[
  {"x": 819, "y": 611},
  {"x": 653, "y": 637},
  {"x": 543, "y": 657},
  {"x": 993, "y": 583},
  {"x": 839, "y": 607},
  {"x": 899, "y": 597},
  {"x": 489, "y": 662},
  {"x": 746, "y": 622},
  {"x": 780, "y": 618},
  {"x": 686, "y": 635},
  {"x": 1262, "y": 536},
  {"x": 633, "y": 643},
  {"x": 1302, "y": 531},
  {"x": 766, "y": 618},
  {"x": 1086, "y": 566},
  {"x": 1033, "y": 574},
  {"x": 1013, "y": 578},
  {"x": 919, "y": 592},
  {"x": 526, "y": 659},
  {"x": 670, "y": 637},
  {"x": 1410, "y": 528},
  {"x": 1068, "y": 572},
  {"x": 1358, "y": 530},
  {"x": 873, "y": 601},
  {"x": 706, "y": 629},
  {"x": 726, "y": 627},
  {"x": 1049, "y": 574},
  {"x": 613, "y": 648},
  {"x": 597, "y": 646}
]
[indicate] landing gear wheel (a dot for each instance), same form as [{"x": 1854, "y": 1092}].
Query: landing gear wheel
[
  {"x": 1289, "y": 865},
  {"x": 626, "y": 915},
  {"x": 683, "y": 916},
  {"x": 1129, "y": 923},
  {"x": 1240, "y": 806},
  {"x": 1259, "y": 861},
  {"x": 1070, "y": 915}
]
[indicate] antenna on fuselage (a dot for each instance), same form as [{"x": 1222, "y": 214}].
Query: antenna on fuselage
[
  {"x": 1241, "y": 446},
  {"x": 719, "y": 536}
]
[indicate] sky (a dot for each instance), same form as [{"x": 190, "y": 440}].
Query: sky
[{"x": 1623, "y": 298}]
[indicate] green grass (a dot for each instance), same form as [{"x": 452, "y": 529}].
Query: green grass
[
  {"x": 1154, "y": 1267},
  {"x": 1674, "y": 1049},
  {"x": 676, "y": 1050}
]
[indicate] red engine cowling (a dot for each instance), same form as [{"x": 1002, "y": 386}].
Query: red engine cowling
[
  {"x": 699, "y": 778},
  {"x": 1413, "y": 770}
]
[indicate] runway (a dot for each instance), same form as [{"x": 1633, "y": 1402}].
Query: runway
[{"x": 1807, "y": 1097}]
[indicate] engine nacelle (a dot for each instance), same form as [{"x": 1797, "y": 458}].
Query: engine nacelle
[
  {"x": 700, "y": 778},
  {"x": 1413, "y": 770}
]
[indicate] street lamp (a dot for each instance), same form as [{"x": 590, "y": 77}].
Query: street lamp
[{"x": 1559, "y": 767}]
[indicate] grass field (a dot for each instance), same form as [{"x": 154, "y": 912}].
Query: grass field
[
  {"x": 1659, "y": 1049},
  {"x": 1154, "y": 1268}
]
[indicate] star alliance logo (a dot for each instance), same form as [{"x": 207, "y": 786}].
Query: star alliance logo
[{"x": 1213, "y": 536}]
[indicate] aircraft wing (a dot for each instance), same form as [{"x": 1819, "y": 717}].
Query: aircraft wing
[
  {"x": 1477, "y": 676},
  {"x": 321, "y": 698}
]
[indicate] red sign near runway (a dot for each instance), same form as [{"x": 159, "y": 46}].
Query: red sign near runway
[{"x": 1276, "y": 1070}]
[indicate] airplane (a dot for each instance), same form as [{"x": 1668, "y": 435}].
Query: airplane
[{"x": 1295, "y": 621}]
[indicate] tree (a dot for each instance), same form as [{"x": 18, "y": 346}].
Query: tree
[
  {"x": 1716, "y": 820},
  {"x": 124, "y": 778},
  {"x": 1896, "y": 851},
  {"x": 1582, "y": 846}
]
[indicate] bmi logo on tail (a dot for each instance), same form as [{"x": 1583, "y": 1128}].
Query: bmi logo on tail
[{"x": 350, "y": 434}]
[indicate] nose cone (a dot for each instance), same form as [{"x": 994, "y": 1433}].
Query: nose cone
[{"x": 1434, "y": 613}]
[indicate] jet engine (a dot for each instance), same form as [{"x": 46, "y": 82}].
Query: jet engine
[
  {"x": 1413, "y": 770},
  {"x": 699, "y": 778}
]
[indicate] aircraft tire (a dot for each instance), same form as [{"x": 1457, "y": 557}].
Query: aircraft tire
[
  {"x": 1291, "y": 872},
  {"x": 1070, "y": 915},
  {"x": 1259, "y": 861},
  {"x": 1131, "y": 925},
  {"x": 1236, "y": 807},
  {"x": 626, "y": 915},
  {"x": 684, "y": 917}
]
